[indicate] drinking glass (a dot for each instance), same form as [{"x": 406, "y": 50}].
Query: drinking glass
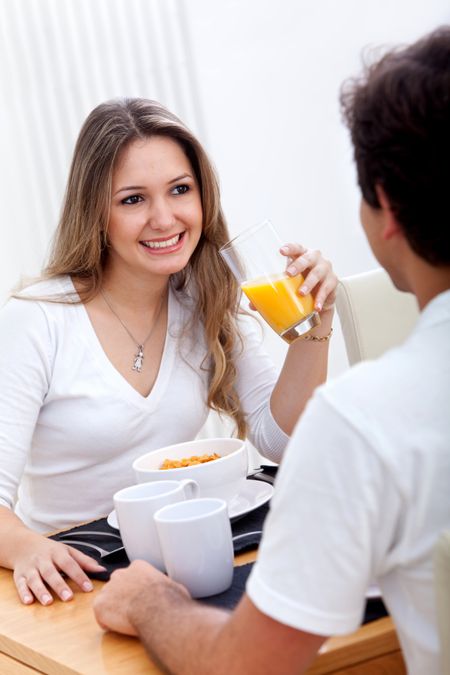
[{"x": 255, "y": 260}]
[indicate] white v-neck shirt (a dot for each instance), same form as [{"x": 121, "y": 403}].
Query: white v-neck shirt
[{"x": 71, "y": 425}]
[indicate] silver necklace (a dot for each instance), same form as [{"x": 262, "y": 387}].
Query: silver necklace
[{"x": 139, "y": 356}]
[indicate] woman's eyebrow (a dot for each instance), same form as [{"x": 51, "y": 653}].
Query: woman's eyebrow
[
  {"x": 184, "y": 175},
  {"x": 129, "y": 187}
]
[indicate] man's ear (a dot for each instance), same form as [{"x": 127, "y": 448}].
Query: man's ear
[{"x": 391, "y": 227}]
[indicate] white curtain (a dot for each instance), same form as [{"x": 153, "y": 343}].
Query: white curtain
[{"x": 58, "y": 60}]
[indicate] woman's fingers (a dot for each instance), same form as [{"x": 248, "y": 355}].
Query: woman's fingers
[
  {"x": 293, "y": 250},
  {"x": 315, "y": 277},
  {"x": 73, "y": 567},
  {"x": 36, "y": 586},
  {"x": 326, "y": 294},
  {"x": 85, "y": 561},
  {"x": 23, "y": 590},
  {"x": 308, "y": 259},
  {"x": 54, "y": 580},
  {"x": 43, "y": 574},
  {"x": 319, "y": 278}
]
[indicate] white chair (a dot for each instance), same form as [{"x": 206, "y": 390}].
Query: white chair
[
  {"x": 374, "y": 315},
  {"x": 441, "y": 561}
]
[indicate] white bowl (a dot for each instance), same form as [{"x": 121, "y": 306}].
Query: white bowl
[{"x": 223, "y": 478}]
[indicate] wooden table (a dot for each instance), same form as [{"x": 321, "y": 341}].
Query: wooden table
[{"x": 64, "y": 639}]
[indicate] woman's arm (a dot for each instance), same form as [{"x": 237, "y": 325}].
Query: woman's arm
[
  {"x": 26, "y": 347},
  {"x": 306, "y": 362},
  {"x": 305, "y": 367},
  {"x": 273, "y": 402}
]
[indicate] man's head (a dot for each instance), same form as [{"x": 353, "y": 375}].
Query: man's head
[{"x": 398, "y": 114}]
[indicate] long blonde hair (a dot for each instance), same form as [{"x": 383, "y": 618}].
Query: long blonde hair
[{"x": 80, "y": 244}]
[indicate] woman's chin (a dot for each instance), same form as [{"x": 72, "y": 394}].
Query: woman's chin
[{"x": 168, "y": 268}]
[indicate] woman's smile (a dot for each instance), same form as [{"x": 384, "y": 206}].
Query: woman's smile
[{"x": 163, "y": 246}]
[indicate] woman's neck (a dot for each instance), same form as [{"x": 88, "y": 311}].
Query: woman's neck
[{"x": 133, "y": 291}]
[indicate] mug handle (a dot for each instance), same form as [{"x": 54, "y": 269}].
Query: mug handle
[{"x": 190, "y": 488}]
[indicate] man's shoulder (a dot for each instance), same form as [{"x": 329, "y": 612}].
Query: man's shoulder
[
  {"x": 392, "y": 404},
  {"x": 369, "y": 378},
  {"x": 377, "y": 395}
]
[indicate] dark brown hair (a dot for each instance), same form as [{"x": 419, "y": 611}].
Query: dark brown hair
[{"x": 398, "y": 115}]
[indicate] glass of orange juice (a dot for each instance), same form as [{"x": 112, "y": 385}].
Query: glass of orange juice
[{"x": 254, "y": 258}]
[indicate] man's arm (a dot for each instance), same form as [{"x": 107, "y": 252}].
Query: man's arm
[{"x": 185, "y": 637}]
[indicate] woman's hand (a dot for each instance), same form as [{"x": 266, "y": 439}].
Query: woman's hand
[
  {"x": 39, "y": 564},
  {"x": 319, "y": 278}
]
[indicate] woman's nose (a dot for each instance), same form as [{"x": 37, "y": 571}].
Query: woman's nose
[{"x": 160, "y": 216}]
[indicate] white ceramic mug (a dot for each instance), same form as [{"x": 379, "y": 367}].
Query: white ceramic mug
[
  {"x": 196, "y": 544},
  {"x": 135, "y": 507}
]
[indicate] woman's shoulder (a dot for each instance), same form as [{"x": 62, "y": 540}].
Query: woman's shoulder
[
  {"x": 33, "y": 319},
  {"x": 37, "y": 302},
  {"x": 46, "y": 289}
]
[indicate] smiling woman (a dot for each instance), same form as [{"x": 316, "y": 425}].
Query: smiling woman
[{"x": 132, "y": 335}]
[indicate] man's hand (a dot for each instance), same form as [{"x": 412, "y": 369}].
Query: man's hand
[
  {"x": 122, "y": 600},
  {"x": 190, "y": 638}
]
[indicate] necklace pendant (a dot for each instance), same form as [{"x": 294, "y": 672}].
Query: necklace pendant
[{"x": 138, "y": 358}]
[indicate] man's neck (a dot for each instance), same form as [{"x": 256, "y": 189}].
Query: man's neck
[{"x": 427, "y": 281}]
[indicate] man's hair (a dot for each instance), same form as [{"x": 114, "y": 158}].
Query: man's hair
[{"x": 398, "y": 115}]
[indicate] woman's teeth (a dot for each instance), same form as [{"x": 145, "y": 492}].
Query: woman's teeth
[{"x": 162, "y": 244}]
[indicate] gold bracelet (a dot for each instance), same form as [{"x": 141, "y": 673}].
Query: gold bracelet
[{"x": 316, "y": 338}]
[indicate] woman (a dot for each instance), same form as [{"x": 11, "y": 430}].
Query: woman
[{"x": 132, "y": 335}]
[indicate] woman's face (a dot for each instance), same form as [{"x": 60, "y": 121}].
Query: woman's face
[{"x": 156, "y": 212}]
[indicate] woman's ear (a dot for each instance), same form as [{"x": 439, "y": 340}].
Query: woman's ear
[{"x": 391, "y": 226}]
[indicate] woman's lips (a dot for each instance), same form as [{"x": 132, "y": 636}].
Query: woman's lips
[{"x": 161, "y": 246}]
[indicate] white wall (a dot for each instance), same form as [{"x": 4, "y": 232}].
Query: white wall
[
  {"x": 257, "y": 80},
  {"x": 270, "y": 74},
  {"x": 59, "y": 59}
]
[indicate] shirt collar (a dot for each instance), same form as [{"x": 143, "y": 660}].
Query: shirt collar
[{"x": 437, "y": 310}]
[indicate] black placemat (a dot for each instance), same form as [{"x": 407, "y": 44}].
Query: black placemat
[
  {"x": 375, "y": 608},
  {"x": 268, "y": 473},
  {"x": 120, "y": 560},
  {"x": 230, "y": 598},
  {"x": 253, "y": 522}
]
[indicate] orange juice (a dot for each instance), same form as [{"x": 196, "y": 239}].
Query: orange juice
[{"x": 277, "y": 300}]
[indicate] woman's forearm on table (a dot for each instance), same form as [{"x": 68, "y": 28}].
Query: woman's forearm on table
[
  {"x": 13, "y": 535},
  {"x": 305, "y": 367}
]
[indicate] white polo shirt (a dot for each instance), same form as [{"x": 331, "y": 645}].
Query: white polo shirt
[{"x": 363, "y": 493}]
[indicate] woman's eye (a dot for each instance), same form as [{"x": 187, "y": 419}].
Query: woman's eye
[
  {"x": 180, "y": 189},
  {"x": 132, "y": 199}
]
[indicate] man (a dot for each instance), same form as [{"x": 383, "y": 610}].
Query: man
[{"x": 363, "y": 491}]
